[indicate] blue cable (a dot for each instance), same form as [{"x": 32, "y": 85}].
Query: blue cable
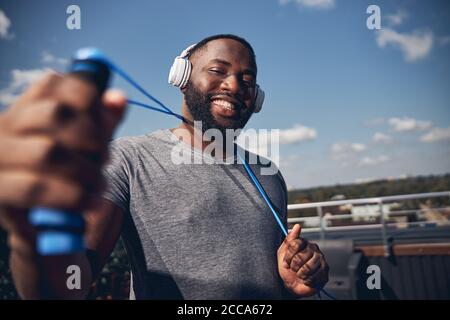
[
  {"x": 125, "y": 76},
  {"x": 147, "y": 106},
  {"x": 263, "y": 193},
  {"x": 329, "y": 295},
  {"x": 94, "y": 54}
]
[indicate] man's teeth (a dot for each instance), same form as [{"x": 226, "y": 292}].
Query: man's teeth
[{"x": 224, "y": 104}]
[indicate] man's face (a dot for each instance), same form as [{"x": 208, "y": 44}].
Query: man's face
[{"x": 221, "y": 89}]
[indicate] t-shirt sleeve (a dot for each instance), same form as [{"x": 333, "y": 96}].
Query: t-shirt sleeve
[{"x": 117, "y": 176}]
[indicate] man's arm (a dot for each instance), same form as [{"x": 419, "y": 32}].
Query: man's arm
[{"x": 53, "y": 145}]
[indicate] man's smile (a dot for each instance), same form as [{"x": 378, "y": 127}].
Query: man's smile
[{"x": 225, "y": 106}]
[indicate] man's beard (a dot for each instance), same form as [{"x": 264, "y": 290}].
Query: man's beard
[{"x": 199, "y": 106}]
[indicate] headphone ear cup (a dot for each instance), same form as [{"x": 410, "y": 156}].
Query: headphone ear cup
[
  {"x": 259, "y": 99},
  {"x": 180, "y": 72}
]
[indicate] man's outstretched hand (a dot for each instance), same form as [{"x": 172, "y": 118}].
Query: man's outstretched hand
[
  {"x": 301, "y": 264},
  {"x": 53, "y": 143}
]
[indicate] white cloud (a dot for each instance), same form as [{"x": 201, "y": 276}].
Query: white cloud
[
  {"x": 315, "y": 4},
  {"x": 415, "y": 46},
  {"x": 358, "y": 147},
  {"x": 267, "y": 143},
  {"x": 368, "y": 161},
  {"x": 436, "y": 134},
  {"x": 5, "y": 23},
  {"x": 397, "y": 18},
  {"x": 20, "y": 79},
  {"x": 343, "y": 150},
  {"x": 409, "y": 124},
  {"x": 48, "y": 58},
  {"x": 297, "y": 134},
  {"x": 258, "y": 138},
  {"x": 379, "y": 137}
]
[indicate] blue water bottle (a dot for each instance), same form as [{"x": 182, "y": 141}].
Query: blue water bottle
[{"x": 61, "y": 231}]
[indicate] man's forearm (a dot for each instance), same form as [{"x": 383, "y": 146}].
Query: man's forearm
[{"x": 55, "y": 277}]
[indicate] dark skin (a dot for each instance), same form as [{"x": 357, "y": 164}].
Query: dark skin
[
  {"x": 301, "y": 264},
  {"x": 227, "y": 71},
  {"x": 53, "y": 144}
]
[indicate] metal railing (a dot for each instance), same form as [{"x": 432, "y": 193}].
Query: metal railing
[{"x": 321, "y": 222}]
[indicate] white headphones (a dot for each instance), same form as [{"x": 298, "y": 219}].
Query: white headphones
[{"x": 181, "y": 70}]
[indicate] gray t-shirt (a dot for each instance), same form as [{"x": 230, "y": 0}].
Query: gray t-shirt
[{"x": 194, "y": 231}]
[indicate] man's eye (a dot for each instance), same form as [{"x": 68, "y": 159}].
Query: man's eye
[
  {"x": 217, "y": 71},
  {"x": 249, "y": 83}
]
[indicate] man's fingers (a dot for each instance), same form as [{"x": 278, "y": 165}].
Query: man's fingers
[
  {"x": 31, "y": 190},
  {"x": 293, "y": 248},
  {"x": 299, "y": 259},
  {"x": 41, "y": 88},
  {"x": 294, "y": 234},
  {"x": 53, "y": 141},
  {"x": 43, "y": 154},
  {"x": 44, "y": 116},
  {"x": 319, "y": 277},
  {"x": 113, "y": 111},
  {"x": 84, "y": 135},
  {"x": 290, "y": 236},
  {"x": 310, "y": 267},
  {"x": 78, "y": 94},
  {"x": 115, "y": 101}
]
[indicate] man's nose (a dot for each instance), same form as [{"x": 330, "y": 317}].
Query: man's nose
[{"x": 233, "y": 85}]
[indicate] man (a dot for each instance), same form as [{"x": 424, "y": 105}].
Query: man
[{"x": 192, "y": 231}]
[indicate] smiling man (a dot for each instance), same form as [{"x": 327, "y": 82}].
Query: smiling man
[
  {"x": 191, "y": 231},
  {"x": 209, "y": 96}
]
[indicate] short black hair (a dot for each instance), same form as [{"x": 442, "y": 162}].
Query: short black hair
[{"x": 203, "y": 43}]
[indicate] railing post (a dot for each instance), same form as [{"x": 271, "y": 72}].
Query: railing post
[
  {"x": 322, "y": 228},
  {"x": 387, "y": 249}
]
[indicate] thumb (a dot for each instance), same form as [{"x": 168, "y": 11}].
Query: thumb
[
  {"x": 295, "y": 233},
  {"x": 114, "y": 102}
]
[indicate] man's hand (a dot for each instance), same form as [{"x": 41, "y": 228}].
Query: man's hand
[
  {"x": 53, "y": 142},
  {"x": 301, "y": 264}
]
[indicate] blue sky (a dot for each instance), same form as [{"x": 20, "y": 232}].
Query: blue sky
[{"x": 353, "y": 104}]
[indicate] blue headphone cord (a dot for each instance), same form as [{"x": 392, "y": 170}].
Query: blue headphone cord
[
  {"x": 166, "y": 110},
  {"x": 94, "y": 54}
]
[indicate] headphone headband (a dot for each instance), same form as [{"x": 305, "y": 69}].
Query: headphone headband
[{"x": 186, "y": 51}]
